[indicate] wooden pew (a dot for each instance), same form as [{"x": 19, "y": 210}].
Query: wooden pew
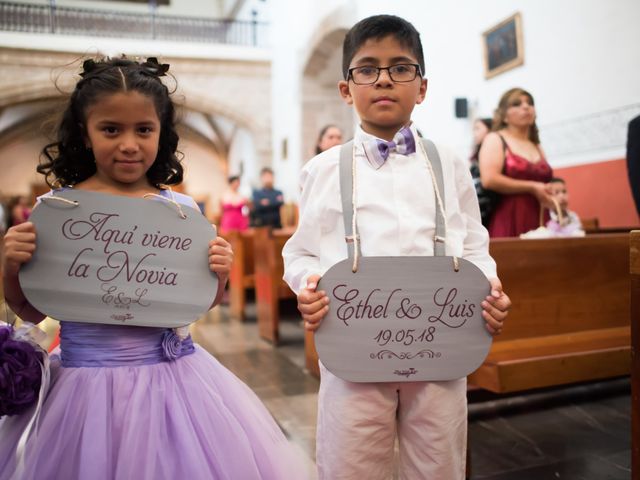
[
  {"x": 590, "y": 225},
  {"x": 635, "y": 352},
  {"x": 270, "y": 288},
  {"x": 289, "y": 214},
  {"x": 241, "y": 277},
  {"x": 310, "y": 354},
  {"x": 570, "y": 316}
]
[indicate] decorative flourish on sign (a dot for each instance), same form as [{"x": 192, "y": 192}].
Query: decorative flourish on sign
[
  {"x": 382, "y": 354},
  {"x": 405, "y": 373}
]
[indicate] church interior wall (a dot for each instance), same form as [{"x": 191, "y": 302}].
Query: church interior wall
[
  {"x": 232, "y": 95},
  {"x": 576, "y": 65}
]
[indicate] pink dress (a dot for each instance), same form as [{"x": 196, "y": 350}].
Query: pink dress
[
  {"x": 518, "y": 213},
  {"x": 233, "y": 217}
]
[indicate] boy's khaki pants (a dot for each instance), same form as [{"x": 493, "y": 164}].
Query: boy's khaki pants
[{"x": 357, "y": 424}]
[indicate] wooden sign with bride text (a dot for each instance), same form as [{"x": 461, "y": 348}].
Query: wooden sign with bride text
[{"x": 119, "y": 260}]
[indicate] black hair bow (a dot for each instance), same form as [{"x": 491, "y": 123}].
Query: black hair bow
[
  {"x": 88, "y": 66},
  {"x": 154, "y": 68}
]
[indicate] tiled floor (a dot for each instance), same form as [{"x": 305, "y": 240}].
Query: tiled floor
[
  {"x": 578, "y": 433},
  {"x": 572, "y": 433}
]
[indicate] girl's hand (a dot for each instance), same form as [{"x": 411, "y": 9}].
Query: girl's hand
[
  {"x": 220, "y": 257},
  {"x": 312, "y": 305},
  {"x": 495, "y": 308},
  {"x": 18, "y": 248}
]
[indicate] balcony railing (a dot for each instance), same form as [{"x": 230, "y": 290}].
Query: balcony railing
[{"x": 33, "y": 18}]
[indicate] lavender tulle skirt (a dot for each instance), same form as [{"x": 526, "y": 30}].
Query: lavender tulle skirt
[{"x": 117, "y": 409}]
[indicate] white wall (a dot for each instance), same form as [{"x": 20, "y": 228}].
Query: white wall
[
  {"x": 243, "y": 161},
  {"x": 262, "y": 8},
  {"x": 204, "y": 172},
  {"x": 581, "y": 57},
  {"x": 295, "y": 30}
]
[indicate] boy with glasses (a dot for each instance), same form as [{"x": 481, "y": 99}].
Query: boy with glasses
[{"x": 383, "y": 68}]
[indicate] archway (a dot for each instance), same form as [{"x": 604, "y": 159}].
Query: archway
[{"x": 321, "y": 102}]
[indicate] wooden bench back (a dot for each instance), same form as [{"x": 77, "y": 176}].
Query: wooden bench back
[
  {"x": 241, "y": 276},
  {"x": 270, "y": 287},
  {"x": 248, "y": 252},
  {"x": 289, "y": 215},
  {"x": 242, "y": 245},
  {"x": 564, "y": 285},
  {"x": 635, "y": 351},
  {"x": 268, "y": 246}
]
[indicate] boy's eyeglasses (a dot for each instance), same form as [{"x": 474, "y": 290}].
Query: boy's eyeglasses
[{"x": 402, "y": 72}]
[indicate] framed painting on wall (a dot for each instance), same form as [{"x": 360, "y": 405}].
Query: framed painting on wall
[{"x": 502, "y": 45}]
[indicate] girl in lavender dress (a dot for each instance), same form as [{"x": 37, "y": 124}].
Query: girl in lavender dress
[{"x": 118, "y": 406}]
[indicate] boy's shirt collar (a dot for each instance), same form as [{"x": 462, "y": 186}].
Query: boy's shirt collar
[{"x": 366, "y": 143}]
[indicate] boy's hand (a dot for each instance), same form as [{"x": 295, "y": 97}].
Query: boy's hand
[
  {"x": 18, "y": 248},
  {"x": 312, "y": 305},
  {"x": 220, "y": 257},
  {"x": 495, "y": 307}
]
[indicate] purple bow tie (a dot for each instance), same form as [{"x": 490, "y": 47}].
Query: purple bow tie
[{"x": 377, "y": 151}]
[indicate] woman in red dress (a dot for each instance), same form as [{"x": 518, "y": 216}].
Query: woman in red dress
[{"x": 513, "y": 164}]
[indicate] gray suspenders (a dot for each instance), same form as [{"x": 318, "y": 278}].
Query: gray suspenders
[{"x": 346, "y": 193}]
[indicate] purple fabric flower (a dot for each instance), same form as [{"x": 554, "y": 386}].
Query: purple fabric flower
[
  {"x": 20, "y": 373},
  {"x": 171, "y": 345}
]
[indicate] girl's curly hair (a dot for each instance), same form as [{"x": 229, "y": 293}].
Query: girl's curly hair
[{"x": 67, "y": 161}]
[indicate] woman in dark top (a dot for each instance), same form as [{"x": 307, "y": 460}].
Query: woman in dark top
[
  {"x": 329, "y": 136},
  {"x": 486, "y": 198}
]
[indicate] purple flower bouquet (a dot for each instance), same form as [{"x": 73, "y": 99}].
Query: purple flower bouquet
[{"x": 21, "y": 364}]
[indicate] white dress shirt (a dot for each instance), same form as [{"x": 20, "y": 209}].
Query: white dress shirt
[{"x": 396, "y": 212}]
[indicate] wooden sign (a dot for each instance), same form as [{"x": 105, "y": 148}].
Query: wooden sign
[
  {"x": 119, "y": 260},
  {"x": 403, "y": 319}
]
